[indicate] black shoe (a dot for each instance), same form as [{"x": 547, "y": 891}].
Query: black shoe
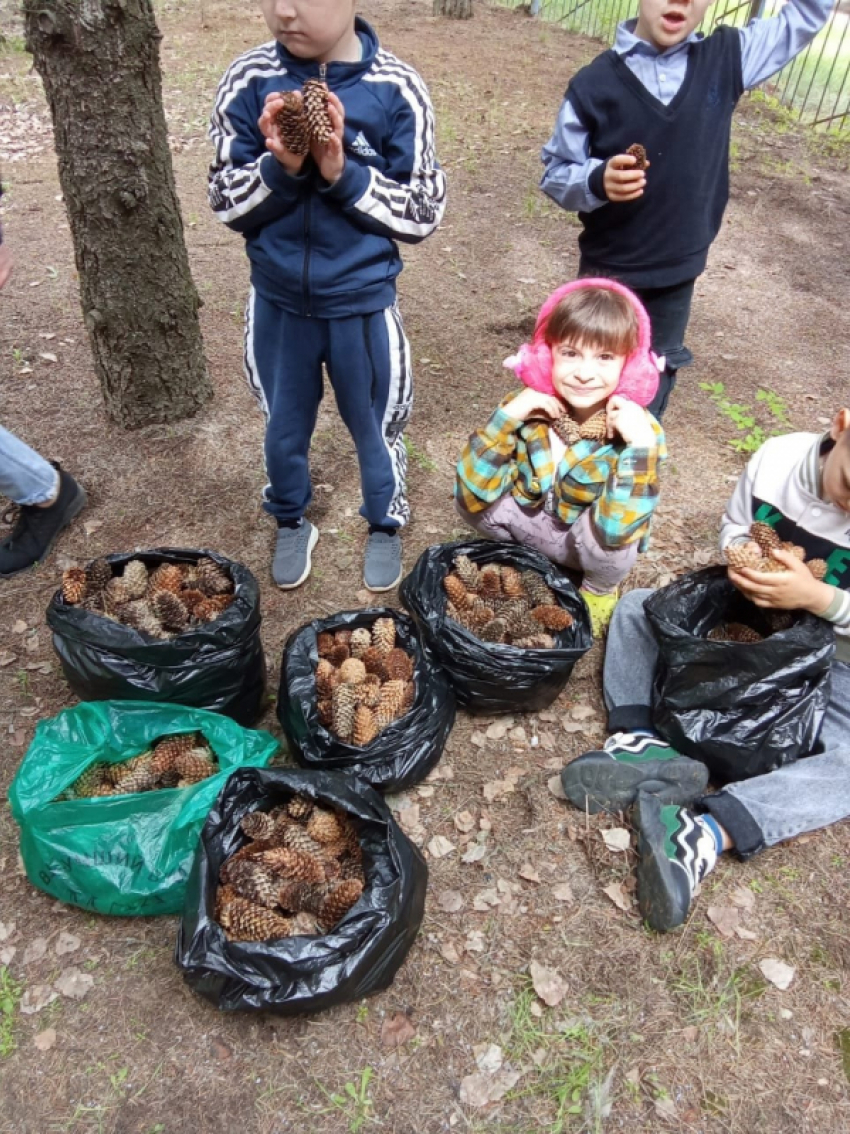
[{"x": 37, "y": 528}]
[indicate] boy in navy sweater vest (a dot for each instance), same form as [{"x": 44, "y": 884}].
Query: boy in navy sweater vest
[
  {"x": 671, "y": 90},
  {"x": 320, "y": 232}
]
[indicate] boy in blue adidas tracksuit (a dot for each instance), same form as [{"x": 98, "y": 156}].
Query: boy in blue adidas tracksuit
[{"x": 320, "y": 232}]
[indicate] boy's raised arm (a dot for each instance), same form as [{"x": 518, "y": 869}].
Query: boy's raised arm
[
  {"x": 247, "y": 185},
  {"x": 767, "y": 45},
  {"x": 735, "y": 525},
  {"x": 407, "y": 201}
]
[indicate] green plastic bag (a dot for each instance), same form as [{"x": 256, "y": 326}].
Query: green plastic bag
[{"x": 126, "y": 855}]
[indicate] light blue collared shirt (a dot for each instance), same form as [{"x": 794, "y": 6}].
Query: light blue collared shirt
[{"x": 767, "y": 46}]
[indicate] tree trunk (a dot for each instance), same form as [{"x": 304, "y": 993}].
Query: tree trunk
[
  {"x": 454, "y": 9},
  {"x": 99, "y": 62}
]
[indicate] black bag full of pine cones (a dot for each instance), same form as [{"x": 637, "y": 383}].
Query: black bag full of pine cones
[
  {"x": 744, "y": 701},
  {"x": 400, "y": 706},
  {"x": 530, "y": 661},
  {"x": 180, "y": 640},
  {"x": 242, "y": 945}
]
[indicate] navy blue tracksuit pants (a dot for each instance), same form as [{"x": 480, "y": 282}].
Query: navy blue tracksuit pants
[{"x": 367, "y": 358}]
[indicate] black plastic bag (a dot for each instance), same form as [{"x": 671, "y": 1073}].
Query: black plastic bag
[
  {"x": 405, "y": 751},
  {"x": 295, "y": 975},
  {"x": 218, "y": 666},
  {"x": 489, "y": 677},
  {"x": 743, "y": 709}
]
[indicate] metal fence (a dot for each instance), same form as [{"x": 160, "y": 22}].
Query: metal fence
[{"x": 815, "y": 86}]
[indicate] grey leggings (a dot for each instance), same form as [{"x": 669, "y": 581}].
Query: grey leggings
[
  {"x": 812, "y": 793},
  {"x": 573, "y": 546}
]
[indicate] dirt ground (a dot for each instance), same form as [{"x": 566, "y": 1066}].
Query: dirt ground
[{"x": 681, "y": 1032}]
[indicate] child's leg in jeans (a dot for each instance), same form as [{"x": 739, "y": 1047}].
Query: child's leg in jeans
[
  {"x": 669, "y": 309},
  {"x": 604, "y": 568}
]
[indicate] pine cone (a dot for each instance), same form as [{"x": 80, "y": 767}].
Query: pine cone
[
  {"x": 166, "y": 751},
  {"x": 337, "y": 904},
  {"x": 457, "y": 592},
  {"x": 144, "y": 619},
  {"x": 141, "y": 779},
  {"x": 373, "y": 660},
  {"x": 408, "y": 696},
  {"x": 326, "y": 678},
  {"x": 224, "y": 895},
  {"x": 115, "y": 594},
  {"x": 344, "y": 701},
  {"x": 292, "y": 865},
  {"x": 479, "y": 615},
  {"x": 352, "y": 869},
  {"x": 520, "y": 624},
  {"x": 166, "y": 577},
  {"x": 780, "y": 620},
  {"x": 191, "y": 598},
  {"x": 243, "y": 921},
  {"x": 251, "y": 851},
  {"x": 103, "y": 789},
  {"x": 352, "y": 672},
  {"x": 738, "y": 632},
  {"x": 325, "y": 712},
  {"x": 300, "y": 808},
  {"x": 304, "y": 925},
  {"x": 170, "y": 611},
  {"x": 467, "y": 572},
  {"x": 512, "y": 584},
  {"x": 764, "y": 536},
  {"x": 369, "y": 693},
  {"x": 324, "y": 643},
  {"x": 383, "y": 635},
  {"x": 818, "y": 567},
  {"x": 552, "y": 617},
  {"x": 257, "y": 825},
  {"x": 255, "y": 882},
  {"x": 74, "y": 585},
  {"x": 86, "y": 784},
  {"x": 315, "y": 95},
  {"x": 94, "y": 603},
  {"x": 135, "y": 577},
  {"x": 98, "y": 574},
  {"x": 194, "y": 767},
  {"x": 297, "y": 838},
  {"x": 298, "y": 897},
  {"x": 771, "y": 566},
  {"x": 212, "y": 607},
  {"x": 212, "y": 578},
  {"x": 292, "y": 124},
  {"x": 343, "y": 638},
  {"x": 398, "y": 665},
  {"x": 739, "y": 555},
  {"x": 365, "y": 726},
  {"x": 637, "y": 151},
  {"x": 538, "y": 592},
  {"x": 535, "y": 642},
  {"x": 325, "y": 827},
  {"x": 490, "y": 585},
  {"x": 794, "y": 549},
  {"x": 494, "y": 631},
  {"x": 338, "y": 655},
  {"x": 390, "y": 705},
  {"x": 361, "y": 641}
]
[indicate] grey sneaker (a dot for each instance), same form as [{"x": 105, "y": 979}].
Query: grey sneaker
[
  {"x": 382, "y": 566},
  {"x": 292, "y": 562}
]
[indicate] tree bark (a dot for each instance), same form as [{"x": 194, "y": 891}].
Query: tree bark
[
  {"x": 99, "y": 63},
  {"x": 454, "y": 9}
]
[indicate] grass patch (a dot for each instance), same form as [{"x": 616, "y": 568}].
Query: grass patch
[
  {"x": 11, "y": 992},
  {"x": 754, "y": 424}
]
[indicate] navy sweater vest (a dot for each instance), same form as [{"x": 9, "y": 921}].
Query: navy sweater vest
[{"x": 663, "y": 238}]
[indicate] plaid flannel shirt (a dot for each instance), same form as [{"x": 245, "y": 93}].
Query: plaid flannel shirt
[{"x": 617, "y": 482}]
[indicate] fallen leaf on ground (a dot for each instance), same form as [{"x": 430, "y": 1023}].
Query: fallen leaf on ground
[
  {"x": 528, "y": 872},
  {"x": 396, "y": 1030},
  {"x": 440, "y": 846},
  {"x": 495, "y": 789},
  {"x": 36, "y": 998},
  {"x": 724, "y": 917},
  {"x": 777, "y": 972},
  {"x": 547, "y": 715},
  {"x": 555, "y": 787},
  {"x": 91, "y": 526},
  {"x": 474, "y": 854},
  {"x": 19, "y": 626},
  {"x": 485, "y": 900},
  {"x": 449, "y": 953},
  {"x": 7, "y": 928},
  {"x": 464, "y": 821},
  {"x": 563, "y": 892},
  {"x": 488, "y": 1057},
  {"x": 743, "y": 898},
  {"x": 666, "y": 1108},
  {"x": 582, "y": 712},
  {"x": 496, "y": 731},
  {"x": 74, "y": 983},
  {"x": 617, "y": 895},
  {"x": 479, "y": 1090},
  {"x": 478, "y": 739},
  {"x": 6, "y": 658},
  {"x": 66, "y": 943},
  {"x": 573, "y": 726},
  {"x": 7, "y": 952},
  {"x": 690, "y": 1033},
  {"x": 46, "y": 1039},
  {"x": 450, "y": 901},
  {"x": 745, "y": 934},
  {"x": 425, "y": 790},
  {"x": 518, "y": 735},
  {"x": 475, "y": 942},
  {"x": 35, "y": 950},
  {"x": 616, "y": 838},
  {"x": 549, "y": 985}
]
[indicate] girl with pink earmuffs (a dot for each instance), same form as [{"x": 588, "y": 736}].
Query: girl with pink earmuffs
[{"x": 570, "y": 464}]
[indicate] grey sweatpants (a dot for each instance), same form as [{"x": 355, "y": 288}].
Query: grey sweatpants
[{"x": 764, "y": 810}]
